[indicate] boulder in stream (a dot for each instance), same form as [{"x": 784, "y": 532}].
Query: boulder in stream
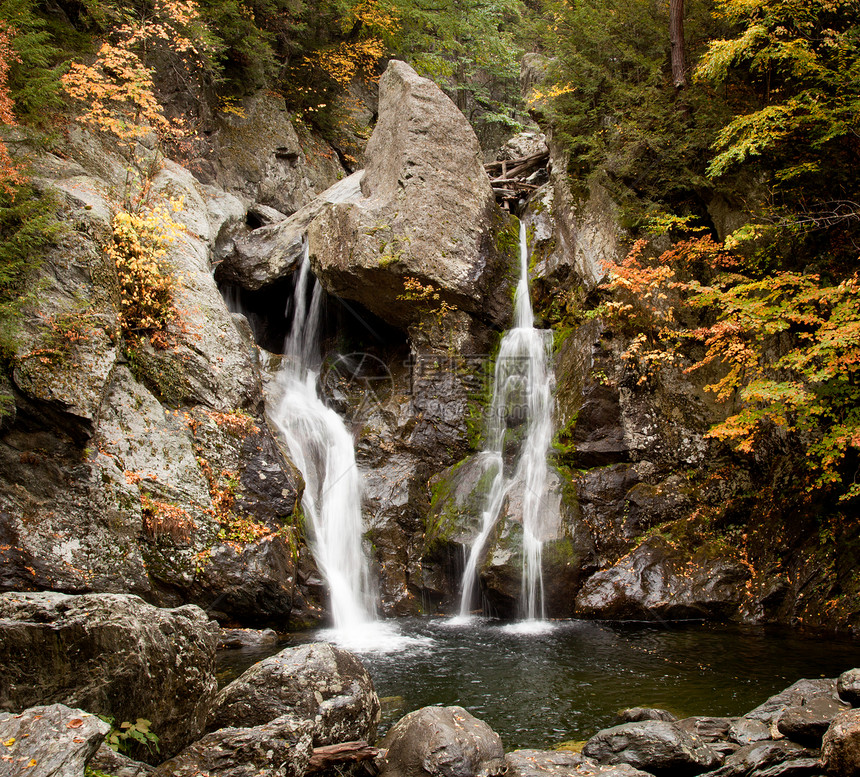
[
  {"x": 110, "y": 654},
  {"x": 319, "y": 682},
  {"x": 848, "y": 687},
  {"x": 442, "y": 742},
  {"x": 563, "y": 763},
  {"x": 656, "y": 746},
  {"x": 806, "y": 723}
]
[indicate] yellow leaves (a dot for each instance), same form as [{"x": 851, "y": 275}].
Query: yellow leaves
[{"x": 146, "y": 284}]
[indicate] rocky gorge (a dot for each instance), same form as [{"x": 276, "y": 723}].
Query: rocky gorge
[
  {"x": 147, "y": 497},
  {"x": 155, "y": 470}
]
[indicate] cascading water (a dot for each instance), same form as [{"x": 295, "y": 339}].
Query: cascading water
[
  {"x": 522, "y": 398},
  {"x": 322, "y": 448}
]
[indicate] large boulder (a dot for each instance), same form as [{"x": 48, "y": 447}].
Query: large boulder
[
  {"x": 442, "y": 742},
  {"x": 428, "y": 213},
  {"x": 656, "y": 746},
  {"x": 658, "y": 581},
  {"x": 840, "y": 749},
  {"x": 51, "y": 741},
  {"x": 319, "y": 683},
  {"x": 110, "y": 654},
  {"x": 279, "y": 748}
]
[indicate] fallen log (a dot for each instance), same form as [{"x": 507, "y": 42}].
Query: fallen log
[
  {"x": 341, "y": 753},
  {"x": 512, "y": 168}
]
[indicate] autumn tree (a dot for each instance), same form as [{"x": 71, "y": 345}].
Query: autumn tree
[{"x": 793, "y": 69}]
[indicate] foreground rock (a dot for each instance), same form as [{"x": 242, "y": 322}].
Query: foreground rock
[
  {"x": 444, "y": 741},
  {"x": 840, "y": 750},
  {"x": 659, "y": 747},
  {"x": 760, "y": 756},
  {"x": 848, "y": 687},
  {"x": 320, "y": 683},
  {"x": 280, "y": 748},
  {"x": 52, "y": 741},
  {"x": 807, "y": 723},
  {"x": 116, "y": 764},
  {"x": 111, "y": 654},
  {"x": 561, "y": 763}
]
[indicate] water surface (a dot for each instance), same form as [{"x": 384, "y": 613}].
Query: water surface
[{"x": 540, "y": 687}]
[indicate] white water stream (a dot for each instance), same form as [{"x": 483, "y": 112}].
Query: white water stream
[
  {"x": 522, "y": 398},
  {"x": 322, "y": 448}
]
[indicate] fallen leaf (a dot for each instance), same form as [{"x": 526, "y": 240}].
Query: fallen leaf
[
  {"x": 9, "y": 742},
  {"x": 75, "y": 723}
]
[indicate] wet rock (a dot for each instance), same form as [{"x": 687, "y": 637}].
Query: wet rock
[
  {"x": 279, "y": 748},
  {"x": 560, "y": 763},
  {"x": 707, "y": 728},
  {"x": 318, "y": 682},
  {"x": 840, "y": 748},
  {"x": 807, "y": 723},
  {"x": 428, "y": 213},
  {"x": 801, "y": 693},
  {"x": 658, "y": 747},
  {"x": 746, "y": 731},
  {"x": 110, "y": 654},
  {"x": 848, "y": 687},
  {"x": 49, "y": 741},
  {"x": 534, "y": 763},
  {"x": 108, "y": 761},
  {"x": 236, "y": 639},
  {"x": 657, "y": 581},
  {"x": 638, "y": 714},
  {"x": 754, "y": 758},
  {"x": 443, "y": 741},
  {"x": 801, "y": 767}
]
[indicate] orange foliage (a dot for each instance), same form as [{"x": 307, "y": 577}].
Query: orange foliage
[{"x": 10, "y": 173}]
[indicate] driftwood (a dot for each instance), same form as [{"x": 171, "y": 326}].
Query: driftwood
[
  {"x": 341, "y": 753},
  {"x": 515, "y": 168}
]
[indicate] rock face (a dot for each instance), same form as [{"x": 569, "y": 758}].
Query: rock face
[
  {"x": 110, "y": 654},
  {"x": 443, "y": 741},
  {"x": 50, "y": 741},
  {"x": 126, "y": 464},
  {"x": 659, "y": 747},
  {"x": 657, "y": 581},
  {"x": 428, "y": 213},
  {"x": 279, "y": 748},
  {"x": 840, "y": 750},
  {"x": 320, "y": 683}
]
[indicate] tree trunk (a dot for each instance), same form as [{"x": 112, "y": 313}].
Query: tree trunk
[{"x": 676, "y": 36}]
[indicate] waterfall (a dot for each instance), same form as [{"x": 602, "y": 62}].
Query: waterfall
[
  {"x": 322, "y": 448},
  {"x": 522, "y": 399}
]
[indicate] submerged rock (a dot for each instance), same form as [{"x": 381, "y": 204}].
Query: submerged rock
[
  {"x": 655, "y": 746},
  {"x": 279, "y": 748},
  {"x": 50, "y": 741},
  {"x": 442, "y": 742},
  {"x": 110, "y": 654},
  {"x": 320, "y": 683}
]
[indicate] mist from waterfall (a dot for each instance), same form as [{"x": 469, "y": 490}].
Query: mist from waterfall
[{"x": 522, "y": 399}]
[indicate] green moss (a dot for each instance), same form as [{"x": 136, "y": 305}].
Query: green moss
[{"x": 164, "y": 377}]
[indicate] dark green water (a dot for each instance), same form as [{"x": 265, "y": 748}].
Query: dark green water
[{"x": 539, "y": 689}]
